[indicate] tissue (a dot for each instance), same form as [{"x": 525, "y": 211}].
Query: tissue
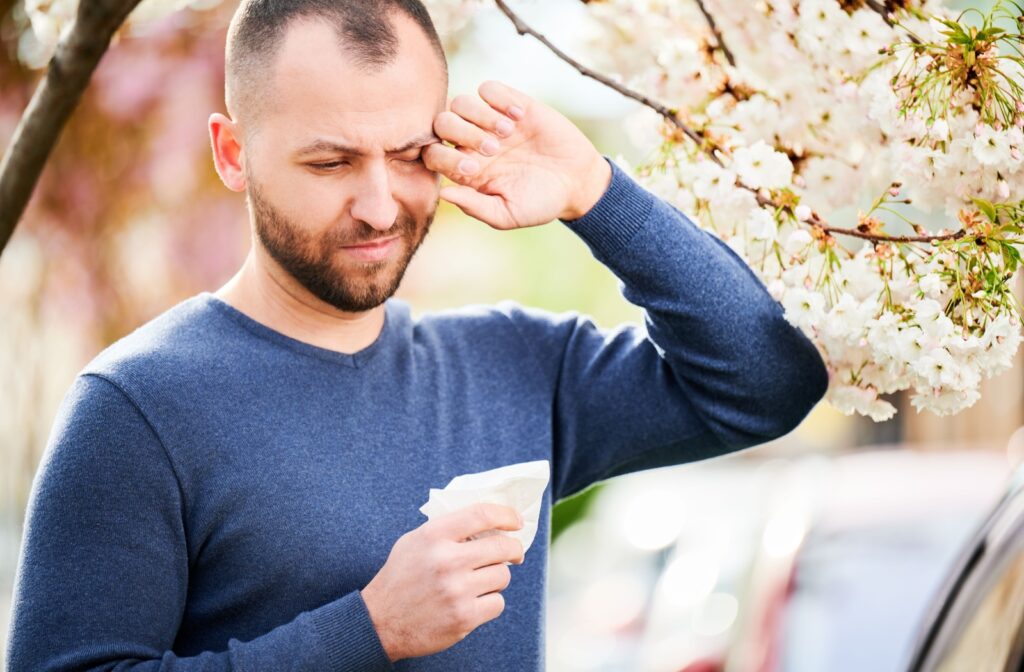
[{"x": 520, "y": 486}]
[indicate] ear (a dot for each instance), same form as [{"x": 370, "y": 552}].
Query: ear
[{"x": 227, "y": 151}]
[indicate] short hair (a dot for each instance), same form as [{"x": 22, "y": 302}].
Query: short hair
[{"x": 364, "y": 29}]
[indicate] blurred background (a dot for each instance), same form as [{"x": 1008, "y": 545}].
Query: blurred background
[{"x": 691, "y": 567}]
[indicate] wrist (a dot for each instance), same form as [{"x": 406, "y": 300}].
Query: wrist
[
  {"x": 378, "y": 624},
  {"x": 593, "y": 185}
]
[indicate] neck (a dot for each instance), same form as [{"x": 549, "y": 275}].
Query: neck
[{"x": 264, "y": 292}]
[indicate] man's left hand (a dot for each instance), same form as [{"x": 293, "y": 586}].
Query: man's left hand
[{"x": 515, "y": 162}]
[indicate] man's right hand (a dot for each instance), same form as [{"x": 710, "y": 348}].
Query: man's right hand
[{"x": 436, "y": 587}]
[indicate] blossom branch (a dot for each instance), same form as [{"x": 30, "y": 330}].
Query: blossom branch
[
  {"x": 856, "y": 233},
  {"x": 523, "y": 29},
  {"x": 881, "y": 9},
  {"x": 717, "y": 33},
  {"x": 707, "y": 147}
]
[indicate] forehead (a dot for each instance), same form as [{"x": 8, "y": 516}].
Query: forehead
[{"x": 321, "y": 91}]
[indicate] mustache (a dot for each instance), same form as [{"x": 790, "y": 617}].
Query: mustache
[{"x": 402, "y": 228}]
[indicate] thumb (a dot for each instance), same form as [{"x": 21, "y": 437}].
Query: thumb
[{"x": 488, "y": 209}]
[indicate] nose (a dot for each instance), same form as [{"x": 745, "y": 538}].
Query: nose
[{"x": 374, "y": 203}]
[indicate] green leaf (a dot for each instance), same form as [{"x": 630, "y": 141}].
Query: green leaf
[
  {"x": 1011, "y": 257},
  {"x": 986, "y": 207}
]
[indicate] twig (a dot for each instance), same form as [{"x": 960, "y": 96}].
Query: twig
[
  {"x": 880, "y": 8},
  {"x": 717, "y": 33},
  {"x": 957, "y": 235},
  {"x": 52, "y": 104},
  {"x": 523, "y": 29},
  {"x": 664, "y": 111}
]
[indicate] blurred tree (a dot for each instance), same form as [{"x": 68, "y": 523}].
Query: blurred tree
[{"x": 56, "y": 97}]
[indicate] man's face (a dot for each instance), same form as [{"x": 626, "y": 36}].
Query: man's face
[{"x": 335, "y": 162}]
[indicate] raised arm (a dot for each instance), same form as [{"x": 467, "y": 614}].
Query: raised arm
[{"x": 715, "y": 368}]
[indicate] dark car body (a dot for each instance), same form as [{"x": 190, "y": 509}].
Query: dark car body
[{"x": 976, "y": 624}]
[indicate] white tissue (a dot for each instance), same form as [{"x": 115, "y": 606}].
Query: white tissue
[{"x": 520, "y": 486}]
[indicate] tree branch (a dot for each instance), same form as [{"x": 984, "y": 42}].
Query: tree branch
[
  {"x": 524, "y": 29},
  {"x": 816, "y": 220},
  {"x": 717, "y": 33},
  {"x": 54, "y": 101},
  {"x": 880, "y": 8}
]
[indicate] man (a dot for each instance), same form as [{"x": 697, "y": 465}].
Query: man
[{"x": 235, "y": 485}]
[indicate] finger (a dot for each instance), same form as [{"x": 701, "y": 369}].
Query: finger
[
  {"x": 491, "y": 550},
  {"x": 458, "y": 165},
  {"x": 505, "y": 99},
  {"x": 489, "y": 209},
  {"x": 490, "y": 579},
  {"x": 489, "y": 607},
  {"x": 477, "y": 112},
  {"x": 472, "y": 520},
  {"x": 456, "y": 130}
]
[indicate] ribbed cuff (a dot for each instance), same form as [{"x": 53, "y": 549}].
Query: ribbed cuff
[
  {"x": 350, "y": 640},
  {"x": 617, "y": 215}
]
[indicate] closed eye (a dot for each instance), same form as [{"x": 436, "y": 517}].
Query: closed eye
[{"x": 329, "y": 165}]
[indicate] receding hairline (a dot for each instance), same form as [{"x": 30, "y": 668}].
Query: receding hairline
[{"x": 370, "y": 39}]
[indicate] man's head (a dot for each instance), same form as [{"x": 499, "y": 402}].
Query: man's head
[{"x": 331, "y": 104}]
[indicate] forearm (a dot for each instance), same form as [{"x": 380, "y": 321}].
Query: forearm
[
  {"x": 337, "y": 637},
  {"x": 749, "y": 373}
]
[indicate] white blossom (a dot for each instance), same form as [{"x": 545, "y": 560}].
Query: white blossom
[{"x": 762, "y": 166}]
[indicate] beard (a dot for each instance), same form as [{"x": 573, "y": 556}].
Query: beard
[{"x": 313, "y": 260}]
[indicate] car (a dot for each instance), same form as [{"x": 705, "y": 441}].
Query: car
[
  {"x": 976, "y": 624},
  {"x": 781, "y": 565}
]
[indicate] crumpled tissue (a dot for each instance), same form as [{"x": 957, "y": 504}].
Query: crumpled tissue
[{"x": 520, "y": 486}]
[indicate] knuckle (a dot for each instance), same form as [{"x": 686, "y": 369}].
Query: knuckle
[
  {"x": 499, "y": 601},
  {"x": 506, "y": 576},
  {"x": 445, "y": 119},
  {"x": 464, "y": 616},
  {"x": 451, "y": 593},
  {"x": 483, "y": 515},
  {"x": 438, "y": 559},
  {"x": 461, "y": 103},
  {"x": 510, "y": 546},
  {"x": 447, "y": 555}
]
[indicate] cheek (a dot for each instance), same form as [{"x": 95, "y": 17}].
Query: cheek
[
  {"x": 312, "y": 199},
  {"x": 421, "y": 191}
]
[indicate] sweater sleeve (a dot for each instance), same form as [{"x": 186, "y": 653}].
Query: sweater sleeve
[
  {"x": 714, "y": 368},
  {"x": 103, "y": 573}
]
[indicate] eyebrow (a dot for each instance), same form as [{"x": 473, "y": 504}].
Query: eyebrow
[{"x": 324, "y": 145}]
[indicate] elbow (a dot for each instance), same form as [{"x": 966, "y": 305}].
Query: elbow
[
  {"x": 772, "y": 392},
  {"x": 796, "y": 380},
  {"x": 802, "y": 393}
]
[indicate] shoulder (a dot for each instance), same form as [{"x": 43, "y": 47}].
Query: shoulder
[
  {"x": 179, "y": 339},
  {"x": 505, "y": 319},
  {"x": 507, "y": 331}
]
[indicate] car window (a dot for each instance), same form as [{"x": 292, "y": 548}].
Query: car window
[{"x": 992, "y": 638}]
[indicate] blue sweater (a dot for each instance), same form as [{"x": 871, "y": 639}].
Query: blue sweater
[{"x": 214, "y": 494}]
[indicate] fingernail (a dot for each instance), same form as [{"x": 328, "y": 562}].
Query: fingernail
[
  {"x": 468, "y": 166},
  {"x": 489, "y": 147},
  {"x": 504, "y": 127},
  {"x": 516, "y": 112}
]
